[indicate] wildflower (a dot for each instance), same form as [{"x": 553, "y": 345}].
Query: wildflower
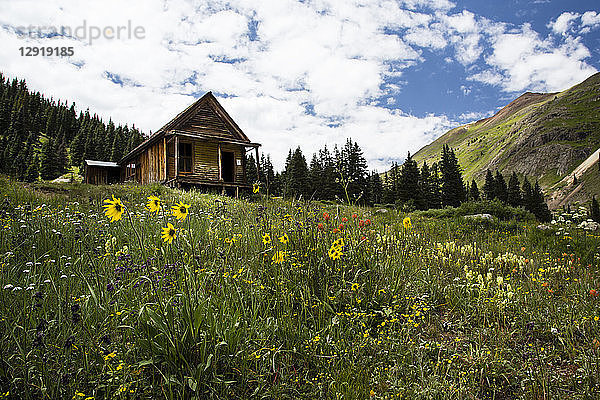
[
  {"x": 255, "y": 188},
  {"x": 407, "y": 224},
  {"x": 180, "y": 210},
  {"x": 284, "y": 239},
  {"x": 266, "y": 238},
  {"x": 335, "y": 252},
  {"x": 354, "y": 216},
  {"x": 320, "y": 226},
  {"x": 335, "y": 230},
  {"x": 593, "y": 293},
  {"x": 326, "y": 216},
  {"x": 354, "y": 286},
  {"x": 168, "y": 233},
  {"x": 344, "y": 219},
  {"x": 114, "y": 209},
  {"x": 341, "y": 227},
  {"x": 278, "y": 257},
  {"x": 153, "y": 204},
  {"x": 367, "y": 222}
]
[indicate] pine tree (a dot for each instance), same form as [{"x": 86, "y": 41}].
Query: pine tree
[
  {"x": 453, "y": 190},
  {"x": 540, "y": 209},
  {"x": 374, "y": 189},
  {"x": 500, "y": 188},
  {"x": 514, "y": 191},
  {"x": 32, "y": 174},
  {"x": 251, "y": 171},
  {"x": 474, "y": 191},
  {"x": 316, "y": 177},
  {"x": 408, "y": 190},
  {"x": 489, "y": 187},
  {"x": 48, "y": 167},
  {"x": 296, "y": 176}
]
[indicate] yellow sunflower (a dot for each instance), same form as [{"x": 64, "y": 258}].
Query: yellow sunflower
[
  {"x": 114, "y": 209},
  {"x": 406, "y": 222},
  {"x": 255, "y": 188},
  {"x": 180, "y": 210},
  {"x": 266, "y": 238},
  {"x": 153, "y": 204},
  {"x": 168, "y": 233},
  {"x": 284, "y": 239}
]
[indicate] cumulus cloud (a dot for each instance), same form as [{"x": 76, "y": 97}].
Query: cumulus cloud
[
  {"x": 522, "y": 60},
  {"x": 563, "y": 23},
  {"x": 290, "y": 73}
]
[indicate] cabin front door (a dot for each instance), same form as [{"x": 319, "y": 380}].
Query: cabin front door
[{"x": 227, "y": 163}]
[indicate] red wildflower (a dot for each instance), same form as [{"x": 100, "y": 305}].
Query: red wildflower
[
  {"x": 326, "y": 216},
  {"x": 341, "y": 226},
  {"x": 367, "y": 222},
  {"x": 354, "y": 216},
  {"x": 335, "y": 230},
  {"x": 320, "y": 226},
  {"x": 363, "y": 238},
  {"x": 593, "y": 293},
  {"x": 361, "y": 223},
  {"x": 344, "y": 219}
]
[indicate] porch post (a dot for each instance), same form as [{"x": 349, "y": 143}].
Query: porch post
[
  {"x": 220, "y": 166},
  {"x": 176, "y": 156}
]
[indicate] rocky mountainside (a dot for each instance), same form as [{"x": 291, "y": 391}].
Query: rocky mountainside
[{"x": 544, "y": 136}]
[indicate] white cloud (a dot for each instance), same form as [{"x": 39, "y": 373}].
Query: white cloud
[
  {"x": 308, "y": 74},
  {"x": 563, "y": 23},
  {"x": 521, "y": 60}
]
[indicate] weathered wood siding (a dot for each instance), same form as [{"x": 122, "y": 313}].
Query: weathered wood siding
[
  {"x": 171, "y": 159},
  {"x": 151, "y": 164},
  {"x": 206, "y": 160},
  {"x": 207, "y": 121}
]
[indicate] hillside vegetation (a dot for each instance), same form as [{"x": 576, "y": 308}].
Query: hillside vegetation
[
  {"x": 541, "y": 136},
  {"x": 212, "y": 297}
]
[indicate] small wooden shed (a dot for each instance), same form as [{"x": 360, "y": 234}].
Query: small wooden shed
[
  {"x": 201, "y": 146},
  {"x": 101, "y": 172}
]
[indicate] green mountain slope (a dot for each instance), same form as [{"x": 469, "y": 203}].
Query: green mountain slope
[{"x": 543, "y": 136}]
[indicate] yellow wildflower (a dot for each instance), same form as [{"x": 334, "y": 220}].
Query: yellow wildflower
[
  {"x": 114, "y": 209},
  {"x": 284, "y": 239},
  {"x": 153, "y": 204},
  {"x": 180, "y": 210},
  {"x": 406, "y": 222},
  {"x": 266, "y": 238},
  {"x": 168, "y": 233}
]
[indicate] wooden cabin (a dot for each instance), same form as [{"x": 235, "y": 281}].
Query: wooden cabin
[
  {"x": 202, "y": 147},
  {"x": 101, "y": 172}
]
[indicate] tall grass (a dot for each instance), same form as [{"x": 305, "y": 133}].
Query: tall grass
[{"x": 449, "y": 308}]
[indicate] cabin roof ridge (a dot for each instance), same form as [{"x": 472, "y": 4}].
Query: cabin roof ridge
[{"x": 184, "y": 116}]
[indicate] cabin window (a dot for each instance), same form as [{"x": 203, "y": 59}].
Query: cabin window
[{"x": 185, "y": 157}]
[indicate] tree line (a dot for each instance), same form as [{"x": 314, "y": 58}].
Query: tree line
[
  {"x": 41, "y": 137},
  {"x": 342, "y": 174}
]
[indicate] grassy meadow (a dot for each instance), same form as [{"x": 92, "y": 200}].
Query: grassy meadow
[{"x": 274, "y": 299}]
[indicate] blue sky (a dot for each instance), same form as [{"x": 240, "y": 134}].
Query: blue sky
[{"x": 392, "y": 74}]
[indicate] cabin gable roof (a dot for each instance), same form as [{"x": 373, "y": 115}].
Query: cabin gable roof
[{"x": 205, "y": 118}]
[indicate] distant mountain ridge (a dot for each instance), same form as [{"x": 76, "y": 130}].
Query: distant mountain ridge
[{"x": 544, "y": 136}]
